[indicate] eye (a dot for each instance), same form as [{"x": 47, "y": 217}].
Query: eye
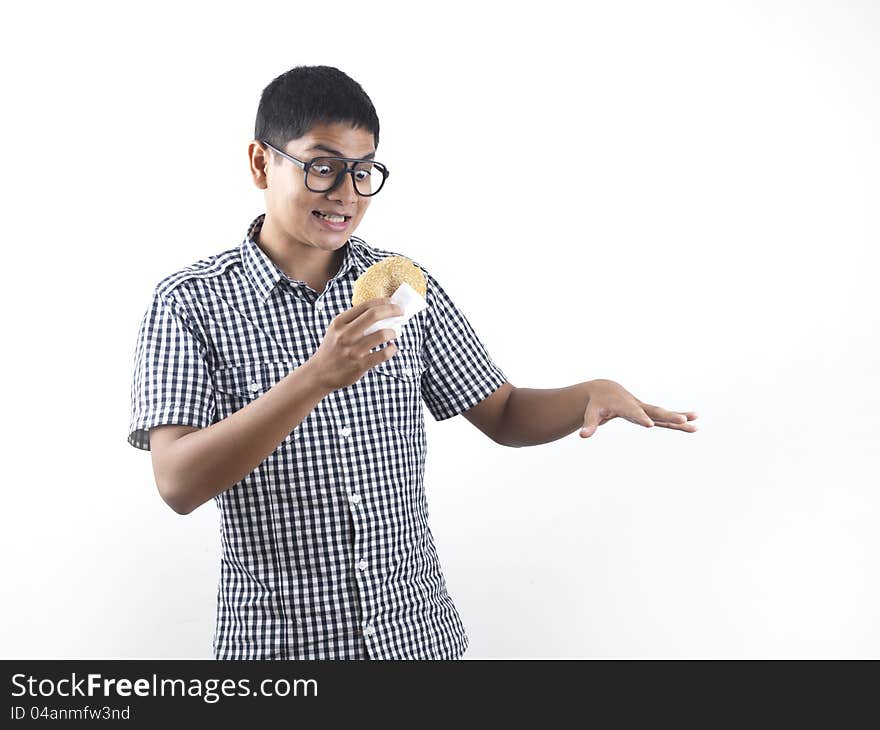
[{"x": 323, "y": 170}]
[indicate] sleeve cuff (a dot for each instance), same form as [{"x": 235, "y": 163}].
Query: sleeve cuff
[
  {"x": 465, "y": 400},
  {"x": 140, "y": 425}
]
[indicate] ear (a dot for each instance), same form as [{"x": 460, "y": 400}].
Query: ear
[{"x": 258, "y": 161}]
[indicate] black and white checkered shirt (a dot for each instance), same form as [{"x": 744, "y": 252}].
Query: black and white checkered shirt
[{"x": 326, "y": 549}]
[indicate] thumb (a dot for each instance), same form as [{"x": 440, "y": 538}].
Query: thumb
[{"x": 591, "y": 422}]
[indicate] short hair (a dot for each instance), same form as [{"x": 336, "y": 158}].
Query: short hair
[{"x": 298, "y": 99}]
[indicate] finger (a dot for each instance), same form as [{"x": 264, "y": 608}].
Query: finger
[
  {"x": 384, "y": 310},
  {"x": 639, "y": 416},
  {"x": 349, "y": 315},
  {"x": 362, "y": 310},
  {"x": 661, "y": 414},
  {"x": 689, "y": 427},
  {"x": 377, "y": 338},
  {"x": 381, "y": 356}
]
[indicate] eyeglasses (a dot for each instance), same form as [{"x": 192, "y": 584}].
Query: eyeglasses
[{"x": 323, "y": 174}]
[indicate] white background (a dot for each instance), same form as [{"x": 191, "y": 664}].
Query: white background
[{"x": 681, "y": 197}]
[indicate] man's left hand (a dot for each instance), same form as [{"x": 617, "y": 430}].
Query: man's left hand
[{"x": 608, "y": 400}]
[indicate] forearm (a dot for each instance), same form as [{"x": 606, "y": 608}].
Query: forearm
[
  {"x": 204, "y": 463},
  {"x": 534, "y": 416}
]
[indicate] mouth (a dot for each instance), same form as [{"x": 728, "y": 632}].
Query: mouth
[
  {"x": 332, "y": 221},
  {"x": 332, "y": 217}
]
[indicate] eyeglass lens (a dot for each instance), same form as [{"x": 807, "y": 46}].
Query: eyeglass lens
[{"x": 324, "y": 171}]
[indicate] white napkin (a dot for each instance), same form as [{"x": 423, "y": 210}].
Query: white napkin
[{"x": 410, "y": 301}]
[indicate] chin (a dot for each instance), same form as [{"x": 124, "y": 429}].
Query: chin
[{"x": 334, "y": 244}]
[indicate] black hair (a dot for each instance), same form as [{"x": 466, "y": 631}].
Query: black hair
[{"x": 307, "y": 95}]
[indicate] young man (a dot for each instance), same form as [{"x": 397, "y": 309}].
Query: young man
[{"x": 255, "y": 386}]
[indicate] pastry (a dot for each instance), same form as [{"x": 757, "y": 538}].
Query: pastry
[{"x": 384, "y": 277}]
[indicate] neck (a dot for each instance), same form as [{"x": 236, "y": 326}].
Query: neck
[{"x": 298, "y": 261}]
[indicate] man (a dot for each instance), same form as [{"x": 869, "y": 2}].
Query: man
[{"x": 255, "y": 386}]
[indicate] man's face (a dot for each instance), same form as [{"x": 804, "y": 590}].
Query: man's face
[{"x": 291, "y": 205}]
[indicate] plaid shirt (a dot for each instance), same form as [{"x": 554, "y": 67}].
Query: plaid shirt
[{"x": 326, "y": 549}]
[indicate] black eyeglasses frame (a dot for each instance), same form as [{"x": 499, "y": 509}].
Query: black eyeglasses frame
[{"x": 349, "y": 168}]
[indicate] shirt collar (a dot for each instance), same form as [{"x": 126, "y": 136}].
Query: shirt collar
[{"x": 265, "y": 274}]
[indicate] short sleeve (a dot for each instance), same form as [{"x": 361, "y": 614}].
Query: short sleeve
[
  {"x": 171, "y": 383},
  {"x": 459, "y": 371}
]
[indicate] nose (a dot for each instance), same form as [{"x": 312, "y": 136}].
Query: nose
[{"x": 345, "y": 190}]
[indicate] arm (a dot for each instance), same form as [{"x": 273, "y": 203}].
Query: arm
[
  {"x": 192, "y": 465},
  {"x": 533, "y": 416}
]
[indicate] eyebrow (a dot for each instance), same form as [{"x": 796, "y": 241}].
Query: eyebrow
[{"x": 338, "y": 153}]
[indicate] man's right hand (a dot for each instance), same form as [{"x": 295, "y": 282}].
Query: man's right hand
[{"x": 344, "y": 354}]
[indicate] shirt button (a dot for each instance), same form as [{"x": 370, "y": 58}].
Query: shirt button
[
  {"x": 362, "y": 565},
  {"x": 355, "y": 498},
  {"x": 320, "y": 306},
  {"x": 407, "y": 371},
  {"x": 369, "y": 630},
  {"x": 345, "y": 432},
  {"x": 254, "y": 387}
]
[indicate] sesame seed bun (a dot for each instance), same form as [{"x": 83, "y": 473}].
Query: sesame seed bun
[{"x": 384, "y": 277}]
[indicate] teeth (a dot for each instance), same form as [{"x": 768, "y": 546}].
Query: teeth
[{"x": 332, "y": 218}]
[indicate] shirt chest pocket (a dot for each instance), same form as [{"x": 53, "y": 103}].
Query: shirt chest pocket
[
  {"x": 397, "y": 391},
  {"x": 237, "y": 385}
]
